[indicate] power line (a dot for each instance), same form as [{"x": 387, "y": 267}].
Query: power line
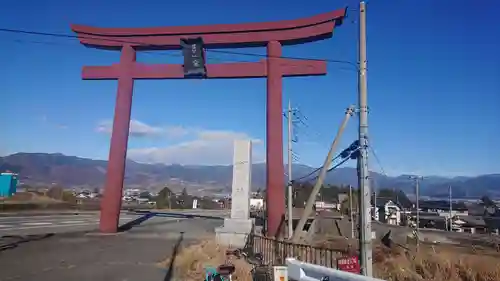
[
  {"x": 349, "y": 153},
  {"x": 71, "y": 36},
  {"x": 396, "y": 191},
  {"x": 302, "y": 125},
  {"x": 286, "y": 57},
  {"x": 378, "y": 160},
  {"x": 50, "y": 43},
  {"x": 296, "y": 119}
]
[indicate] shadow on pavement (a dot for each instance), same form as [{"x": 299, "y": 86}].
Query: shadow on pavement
[
  {"x": 12, "y": 241},
  {"x": 156, "y": 223},
  {"x": 147, "y": 215},
  {"x": 170, "y": 270},
  {"x": 129, "y": 225}
]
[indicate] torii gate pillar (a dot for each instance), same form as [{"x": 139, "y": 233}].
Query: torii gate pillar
[
  {"x": 275, "y": 172},
  {"x": 113, "y": 192}
]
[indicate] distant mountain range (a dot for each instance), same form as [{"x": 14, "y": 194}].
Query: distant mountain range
[{"x": 71, "y": 171}]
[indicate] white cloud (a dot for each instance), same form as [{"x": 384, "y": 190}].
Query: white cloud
[
  {"x": 139, "y": 129},
  {"x": 176, "y": 131},
  {"x": 45, "y": 120},
  {"x": 207, "y": 147},
  {"x": 197, "y": 146}
]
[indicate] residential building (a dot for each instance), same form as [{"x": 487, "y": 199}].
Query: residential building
[
  {"x": 256, "y": 203},
  {"x": 387, "y": 211},
  {"x": 442, "y": 207},
  {"x": 322, "y": 205},
  {"x": 469, "y": 224}
]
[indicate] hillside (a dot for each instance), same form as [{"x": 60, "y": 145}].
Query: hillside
[{"x": 71, "y": 171}]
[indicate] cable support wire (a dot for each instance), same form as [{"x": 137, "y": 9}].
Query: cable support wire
[{"x": 351, "y": 152}]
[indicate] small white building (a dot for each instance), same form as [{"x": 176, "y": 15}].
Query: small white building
[
  {"x": 321, "y": 205},
  {"x": 387, "y": 211},
  {"x": 256, "y": 203},
  {"x": 133, "y": 192}
]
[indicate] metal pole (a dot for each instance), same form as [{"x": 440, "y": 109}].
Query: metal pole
[
  {"x": 417, "y": 191},
  {"x": 290, "y": 160},
  {"x": 374, "y": 207},
  {"x": 363, "y": 174},
  {"x": 418, "y": 210},
  {"x": 319, "y": 182},
  {"x": 350, "y": 211},
  {"x": 450, "y": 208}
]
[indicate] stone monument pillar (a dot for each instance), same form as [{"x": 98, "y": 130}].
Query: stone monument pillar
[{"x": 236, "y": 229}]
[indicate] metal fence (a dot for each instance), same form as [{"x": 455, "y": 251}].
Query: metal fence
[{"x": 275, "y": 252}]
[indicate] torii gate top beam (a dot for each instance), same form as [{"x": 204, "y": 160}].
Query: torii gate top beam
[{"x": 287, "y": 32}]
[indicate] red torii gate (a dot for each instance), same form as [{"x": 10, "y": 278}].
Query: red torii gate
[{"x": 271, "y": 35}]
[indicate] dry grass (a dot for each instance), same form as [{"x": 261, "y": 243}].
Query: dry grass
[
  {"x": 29, "y": 197},
  {"x": 441, "y": 263},
  {"x": 191, "y": 262},
  {"x": 450, "y": 263}
]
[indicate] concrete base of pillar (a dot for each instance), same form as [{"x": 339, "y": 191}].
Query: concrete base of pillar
[{"x": 234, "y": 233}]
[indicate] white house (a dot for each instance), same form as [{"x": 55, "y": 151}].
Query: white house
[
  {"x": 321, "y": 205},
  {"x": 257, "y": 203},
  {"x": 387, "y": 211}
]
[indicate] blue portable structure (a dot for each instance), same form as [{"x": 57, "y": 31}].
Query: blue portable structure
[{"x": 8, "y": 184}]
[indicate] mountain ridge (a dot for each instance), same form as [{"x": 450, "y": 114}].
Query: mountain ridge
[{"x": 73, "y": 171}]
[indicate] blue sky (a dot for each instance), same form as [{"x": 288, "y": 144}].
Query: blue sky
[{"x": 431, "y": 83}]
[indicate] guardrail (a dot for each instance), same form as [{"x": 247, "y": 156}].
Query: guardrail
[{"x": 302, "y": 271}]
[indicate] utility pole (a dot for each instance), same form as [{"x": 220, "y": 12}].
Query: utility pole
[
  {"x": 319, "y": 182},
  {"x": 449, "y": 195},
  {"x": 290, "y": 161},
  {"x": 374, "y": 205},
  {"x": 350, "y": 212},
  {"x": 365, "y": 241},
  {"x": 417, "y": 180}
]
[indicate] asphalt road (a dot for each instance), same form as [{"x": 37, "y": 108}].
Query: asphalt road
[
  {"x": 25, "y": 225},
  {"x": 88, "y": 221},
  {"x": 128, "y": 256}
]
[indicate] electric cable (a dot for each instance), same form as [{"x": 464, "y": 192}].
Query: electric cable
[
  {"x": 352, "y": 152},
  {"x": 370, "y": 147},
  {"x": 395, "y": 191},
  {"x": 70, "y": 36},
  {"x": 154, "y": 53},
  {"x": 338, "y": 164}
]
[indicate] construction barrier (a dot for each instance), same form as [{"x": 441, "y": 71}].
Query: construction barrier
[{"x": 303, "y": 271}]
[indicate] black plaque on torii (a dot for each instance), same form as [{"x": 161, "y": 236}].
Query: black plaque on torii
[{"x": 194, "y": 58}]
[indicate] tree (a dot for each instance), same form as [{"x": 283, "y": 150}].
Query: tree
[
  {"x": 55, "y": 192},
  {"x": 68, "y": 196},
  {"x": 259, "y": 193},
  {"x": 184, "y": 192},
  {"x": 145, "y": 195},
  {"x": 206, "y": 203},
  {"x": 396, "y": 196},
  {"x": 164, "y": 200},
  {"x": 301, "y": 192},
  {"x": 487, "y": 201},
  {"x": 345, "y": 205}
]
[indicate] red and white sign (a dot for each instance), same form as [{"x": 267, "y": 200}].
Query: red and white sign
[{"x": 349, "y": 264}]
